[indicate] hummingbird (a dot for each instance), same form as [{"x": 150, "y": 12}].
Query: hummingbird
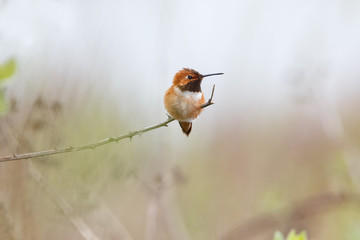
[{"x": 184, "y": 99}]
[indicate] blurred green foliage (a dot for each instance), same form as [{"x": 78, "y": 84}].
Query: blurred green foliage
[
  {"x": 7, "y": 69},
  {"x": 291, "y": 236}
]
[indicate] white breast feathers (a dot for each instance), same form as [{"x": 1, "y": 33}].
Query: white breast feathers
[{"x": 192, "y": 96}]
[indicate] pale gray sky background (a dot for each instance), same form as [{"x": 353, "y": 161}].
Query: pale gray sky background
[{"x": 273, "y": 53}]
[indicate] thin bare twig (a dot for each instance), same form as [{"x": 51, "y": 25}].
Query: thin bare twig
[
  {"x": 68, "y": 149},
  {"x": 209, "y": 102}
]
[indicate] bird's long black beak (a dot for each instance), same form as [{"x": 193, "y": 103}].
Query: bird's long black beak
[{"x": 212, "y": 74}]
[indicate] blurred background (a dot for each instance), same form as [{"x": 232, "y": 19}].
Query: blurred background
[{"x": 278, "y": 151}]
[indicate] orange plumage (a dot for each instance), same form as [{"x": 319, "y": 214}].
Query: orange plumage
[{"x": 184, "y": 99}]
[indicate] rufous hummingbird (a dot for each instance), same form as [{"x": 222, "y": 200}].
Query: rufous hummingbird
[{"x": 184, "y": 100}]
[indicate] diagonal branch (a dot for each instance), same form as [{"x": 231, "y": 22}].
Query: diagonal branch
[
  {"x": 130, "y": 135},
  {"x": 77, "y": 221},
  {"x": 68, "y": 149},
  {"x": 306, "y": 210}
]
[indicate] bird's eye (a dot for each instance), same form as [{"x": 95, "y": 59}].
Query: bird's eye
[{"x": 189, "y": 77}]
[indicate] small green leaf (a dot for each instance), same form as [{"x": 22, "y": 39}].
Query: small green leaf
[
  {"x": 302, "y": 236},
  {"x": 278, "y": 236},
  {"x": 293, "y": 236},
  {"x": 7, "y": 69}
]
